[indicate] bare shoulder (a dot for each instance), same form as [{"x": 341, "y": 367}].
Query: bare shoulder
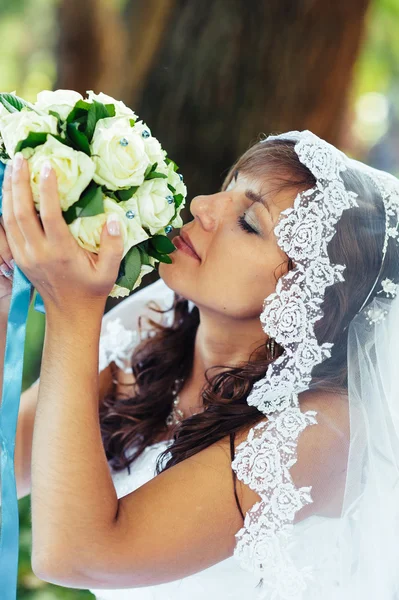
[{"x": 322, "y": 452}]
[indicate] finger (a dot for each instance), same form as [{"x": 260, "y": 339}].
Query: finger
[
  {"x": 22, "y": 200},
  {"x": 111, "y": 247},
  {"x": 5, "y": 251},
  {"x": 55, "y": 228},
  {"x": 14, "y": 235},
  {"x": 6, "y": 271}
]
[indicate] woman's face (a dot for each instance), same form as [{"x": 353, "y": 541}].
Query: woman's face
[{"x": 239, "y": 259}]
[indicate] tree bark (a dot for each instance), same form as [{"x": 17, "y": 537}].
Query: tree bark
[
  {"x": 208, "y": 77},
  {"x": 223, "y": 71}
]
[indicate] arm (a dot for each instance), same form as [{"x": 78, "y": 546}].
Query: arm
[
  {"x": 179, "y": 523},
  {"x": 149, "y": 536},
  {"x": 24, "y": 434}
]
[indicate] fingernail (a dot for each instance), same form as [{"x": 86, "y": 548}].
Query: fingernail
[
  {"x": 46, "y": 169},
  {"x": 9, "y": 263},
  {"x": 12, "y": 264},
  {"x": 6, "y": 272},
  {"x": 18, "y": 160},
  {"x": 8, "y": 171},
  {"x": 113, "y": 225}
]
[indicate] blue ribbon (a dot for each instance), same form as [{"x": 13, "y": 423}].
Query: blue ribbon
[{"x": 11, "y": 393}]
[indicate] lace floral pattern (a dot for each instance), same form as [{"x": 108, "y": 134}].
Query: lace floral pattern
[
  {"x": 117, "y": 344},
  {"x": 263, "y": 462},
  {"x": 289, "y": 314}
]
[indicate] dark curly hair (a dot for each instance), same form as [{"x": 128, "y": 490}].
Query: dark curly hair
[{"x": 168, "y": 354}]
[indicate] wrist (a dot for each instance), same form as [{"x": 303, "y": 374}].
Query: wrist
[{"x": 78, "y": 319}]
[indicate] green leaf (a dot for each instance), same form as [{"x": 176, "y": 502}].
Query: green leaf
[
  {"x": 162, "y": 244},
  {"x": 63, "y": 140},
  {"x": 155, "y": 175},
  {"x": 97, "y": 111},
  {"x": 110, "y": 194},
  {"x": 124, "y": 195},
  {"x": 91, "y": 121},
  {"x": 144, "y": 256},
  {"x": 147, "y": 171},
  {"x": 90, "y": 204},
  {"x": 57, "y": 116},
  {"x": 80, "y": 109},
  {"x": 172, "y": 189},
  {"x": 54, "y": 114},
  {"x": 178, "y": 199},
  {"x": 171, "y": 162},
  {"x": 110, "y": 109},
  {"x": 34, "y": 139},
  {"x": 130, "y": 269},
  {"x": 13, "y": 103},
  {"x": 78, "y": 138},
  {"x": 92, "y": 201},
  {"x": 132, "y": 122},
  {"x": 154, "y": 166},
  {"x": 161, "y": 257}
]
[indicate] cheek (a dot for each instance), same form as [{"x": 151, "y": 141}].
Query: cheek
[
  {"x": 238, "y": 281},
  {"x": 234, "y": 279}
]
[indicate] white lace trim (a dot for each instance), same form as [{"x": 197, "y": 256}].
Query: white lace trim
[
  {"x": 263, "y": 462},
  {"x": 117, "y": 344},
  {"x": 289, "y": 315}
]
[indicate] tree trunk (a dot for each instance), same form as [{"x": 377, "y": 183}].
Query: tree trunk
[{"x": 208, "y": 77}]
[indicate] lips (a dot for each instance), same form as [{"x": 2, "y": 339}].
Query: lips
[{"x": 187, "y": 240}]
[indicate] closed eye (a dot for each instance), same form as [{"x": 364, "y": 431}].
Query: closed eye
[{"x": 245, "y": 226}]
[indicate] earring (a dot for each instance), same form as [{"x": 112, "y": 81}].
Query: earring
[{"x": 270, "y": 344}]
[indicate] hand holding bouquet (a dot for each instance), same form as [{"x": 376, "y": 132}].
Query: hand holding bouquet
[
  {"x": 82, "y": 161},
  {"x": 106, "y": 161}
]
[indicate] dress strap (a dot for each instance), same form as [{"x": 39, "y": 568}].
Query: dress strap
[{"x": 232, "y": 437}]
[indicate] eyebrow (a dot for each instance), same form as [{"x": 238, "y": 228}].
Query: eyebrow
[{"x": 251, "y": 195}]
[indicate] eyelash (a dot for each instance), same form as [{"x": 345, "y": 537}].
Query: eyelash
[{"x": 245, "y": 226}]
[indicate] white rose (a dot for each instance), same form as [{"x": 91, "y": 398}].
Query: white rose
[
  {"x": 87, "y": 230},
  {"x": 3, "y": 111},
  {"x": 119, "y": 291},
  {"x": 121, "y": 110},
  {"x": 152, "y": 146},
  {"x": 16, "y": 126},
  {"x": 177, "y": 223},
  {"x": 118, "y": 154},
  {"x": 176, "y": 181},
  {"x": 60, "y": 101},
  {"x": 74, "y": 170},
  {"x": 154, "y": 208}
]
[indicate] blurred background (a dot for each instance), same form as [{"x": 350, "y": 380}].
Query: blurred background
[{"x": 208, "y": 76}]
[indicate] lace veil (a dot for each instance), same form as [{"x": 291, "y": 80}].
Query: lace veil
[{"x": 363, "y": 552}]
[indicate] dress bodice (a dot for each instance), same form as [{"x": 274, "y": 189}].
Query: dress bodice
[
  {"x": 273, "y": 558},
  {"x": 225, "y": 580}
]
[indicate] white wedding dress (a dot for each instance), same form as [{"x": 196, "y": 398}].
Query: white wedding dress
[{"x": 299, "y": 558}]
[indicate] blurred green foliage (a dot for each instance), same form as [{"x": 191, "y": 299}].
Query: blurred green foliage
[{"x": 28, "y": 34}]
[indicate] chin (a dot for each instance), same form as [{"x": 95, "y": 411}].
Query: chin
[{"x": 173, "y": 278}]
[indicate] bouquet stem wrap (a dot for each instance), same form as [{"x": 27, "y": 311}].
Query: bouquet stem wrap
[{"x": 11, "y": 393}]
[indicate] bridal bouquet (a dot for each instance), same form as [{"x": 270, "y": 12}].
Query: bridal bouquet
[{"x": 106, "y": 160}]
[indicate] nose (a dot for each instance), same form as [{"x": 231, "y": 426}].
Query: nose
[{"x": 208, "y": 209}]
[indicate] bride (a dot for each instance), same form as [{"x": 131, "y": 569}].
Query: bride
[{"x": 224, "y": 450}]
